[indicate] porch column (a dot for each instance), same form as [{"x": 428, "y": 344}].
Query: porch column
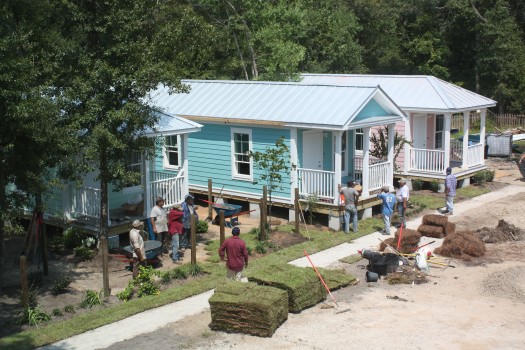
[
  {"x": 446, "y": 140},
  {"x": 366, "y": 161},
  {"x": 337, "y": 162},
  {"x": 408, "y": 137},
  {"x": 294, "y": 160},
  {"x": 466, "y": 120},
  {"x": 185, "y": 185},
  {"x": 147, "y": 187},
  {"x": 391, "y": 154},
  {"x": 482, "y": 133}
]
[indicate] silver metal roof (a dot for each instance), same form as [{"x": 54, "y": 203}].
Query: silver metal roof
[
  {"x": 411, "y": 92},
  {"x": 173, "y": 125},
  {"x": 287, "y": 104}
]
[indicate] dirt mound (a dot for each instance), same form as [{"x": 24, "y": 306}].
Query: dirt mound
[
  {"x": 463, "y": 245},
  {"x": 501, "y": 233}
]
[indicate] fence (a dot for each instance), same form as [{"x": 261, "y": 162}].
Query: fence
[{"x": 499, "y": 120}]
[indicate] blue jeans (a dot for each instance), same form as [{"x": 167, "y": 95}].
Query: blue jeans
[
  {"x": 401, "y": 214},
  {"x": 175, "y": 247},
  {"x": 185, "y": 238},
  {"x": 450, "y": 203},
  {"x": 386, "y": 221},
  {"x": 350, "y": 211}
]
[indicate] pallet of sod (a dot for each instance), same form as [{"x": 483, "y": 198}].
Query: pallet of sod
[
  {"x": 248, "y": 308},
  {"x": 302, "y": 284}
]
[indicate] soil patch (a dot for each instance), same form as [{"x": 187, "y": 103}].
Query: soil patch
[{"x": 501, "y": 233}]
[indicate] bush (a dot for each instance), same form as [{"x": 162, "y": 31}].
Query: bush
[
  {"x": 260, "y": 247},
  {"x": 72, "y": 238},
  {"x": 249, "y": 249},
  {"x": 84, "y": 253},
  {"x": 33, "y": 316},
  {"x": 195, "y": 270},
  {"x": 127, "y": 293},
  {"x": 479, "y": 177},
  {"x": 60, "y": 285},
  {"x": 179, "y": 274},
  {"x": 57, "y": 244},
  {"x": 165, "y": 277},
  {"x": 57, "y": 313},
  {"x": 69, "y": 309},
  {"x": 417, "y": 185},
  {"x": 489, "y": 175},
  {"x": 434, "y": 186},
  {"x": 91, "y": 298},
  {"x": 202, "y": 226}
]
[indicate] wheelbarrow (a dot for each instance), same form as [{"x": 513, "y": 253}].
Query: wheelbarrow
[
  {"x": 152, "y": 249},
  {"x": 230, "y": 211}
]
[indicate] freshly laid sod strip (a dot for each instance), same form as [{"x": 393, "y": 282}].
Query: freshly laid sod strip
[
  {"x": 336, "y": 279},
  {"x": 248, "y": 308},
  {"x": 352, "y": 259}
]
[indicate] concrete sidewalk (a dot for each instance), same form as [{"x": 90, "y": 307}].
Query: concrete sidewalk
[{"x": 154, "y": 319}]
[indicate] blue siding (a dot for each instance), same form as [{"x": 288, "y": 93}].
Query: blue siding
[
  {"x": 371, "y": 109},
  {"x": 328, "y": 153},
  {"x": 300, "y": 148},
  {"x": 209, "y": 155}
]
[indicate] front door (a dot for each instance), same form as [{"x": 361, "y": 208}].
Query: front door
[
  {"x": 420, "y": 142},
  {"x": 313, "y": 150}
]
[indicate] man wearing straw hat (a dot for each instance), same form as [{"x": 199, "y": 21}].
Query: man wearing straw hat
[
  {"x": 159, "y": 222},
  {"x": 137, "y": 244}
]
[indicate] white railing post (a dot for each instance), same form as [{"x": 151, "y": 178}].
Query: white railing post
[
  {"x": 390, "y": 175},
  {"x": 337, "y": 162},
  {"x": 294, "y": 160},
  {"x": 147, "y": 188},
  {"x": 466, "y": 117},
  {"x": 408, "y": 136},
  {"x": 446, "y": 139},
  {"x": 366, "y": 162},
  {"x": 482, "y": 134},
  {"x": 185, "y": 166}
]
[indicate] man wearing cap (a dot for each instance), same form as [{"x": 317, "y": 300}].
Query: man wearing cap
[
  {"x": 187, "y": 209},
  {"x": 159, "y": 222},
  {"x": 389, "y": 201},
  {"x": 137, "y": 244},
  {"x": 402, "y": 196},
  {"x": 236, "y": 255},
  {"x": 351, "y": 197},
  {"x": 175, "y": 229},
  {"x": 451, "y": 183}
]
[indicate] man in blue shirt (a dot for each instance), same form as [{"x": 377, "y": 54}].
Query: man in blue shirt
[
  {"x": 389, "y": 202},
  {"x": 450, "y": 191}
]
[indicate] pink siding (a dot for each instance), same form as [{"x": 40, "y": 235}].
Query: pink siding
[
  {"x": 431, "y": 125},
  {"x": 400, "y": 129}
]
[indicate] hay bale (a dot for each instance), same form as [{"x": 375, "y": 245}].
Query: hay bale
[
  {"x": 302, "y": 284},
  {"x": 435, "y": 220},
  {"x": 463, "y": 245},
  {"x": 450, "y": 229},
  {"x": 431, "y": 231},
  {"x": 248, "y": 308}
]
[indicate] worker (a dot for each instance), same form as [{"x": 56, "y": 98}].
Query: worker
[
  {"x": 451, "y": 183},
  {"x": 387, "y": 207},
  {"x": 351, "y": 196},
  {"x": 159, "y": 223},
  {"x": 175, "y": 230},
  {"x": 234, "y": 251},
  {"x": 137, "y": 245},
  {"x": 402, "y": 196},
  {"x": 187, "y": 209}
]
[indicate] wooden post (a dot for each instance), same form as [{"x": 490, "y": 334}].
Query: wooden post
[
  {"x": 297, "y": 211},
  {"x": 44, "y": 249},
  {"x": 210, "y": 199},
  {"x": 24, "y": 282},
  {"x": 105, "y": 266},
  {"x": 221, "y": 223},
  {"x": 193, "y": 240}
]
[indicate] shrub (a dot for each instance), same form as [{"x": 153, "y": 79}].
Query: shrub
[
  {"x": 260, "y": 247},
  {"x": 202, "y": 226},
  {"x": 57, "y": 313},
  {"x": 417, "y": 185},
  {"x": 479, "y": 177},
  {"x": 60, "y": 285},
  {"x": 127, "y": 293},
  {"x": 434, "y": 186},
  {"x": 33, "y": 316},
  {"x": 249, "y": 249},
  {"x": 148, "y": 288},
  {"x": 165, "y": 278},
  {"x": 179, "y": 274},
  {"x": 69, "y": 309},
  {"x": 72, "y": 238},
  {"x": 57, "y": 244},
  {"x": 489, "y": 175},
  {"x": 91, "y": 298},
  {"x": 195, "y": 270},
  {"x": 84, "y": 252}
]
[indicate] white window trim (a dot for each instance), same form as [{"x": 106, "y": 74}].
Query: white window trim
[
  {"x": 232, "y": 150},
  {"x": 442, "y": 132},
  {"x": 344, "y": 170},
  {"x": 165, "y": 163},
  {"x": 359, "y": 151}
]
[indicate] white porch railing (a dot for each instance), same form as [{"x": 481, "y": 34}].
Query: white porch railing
[
  {"x": 319, "y": 182},
  {"x": 358, "y": 166},
  {"x": 86, "y": 202},
  {"x": 427, "y": 160},
  {"x": 167, "y": 186},
  {"x": 475, "y": 155},
  {"x": 378, "y": 175},
  {"x": 456, "y": 150}
]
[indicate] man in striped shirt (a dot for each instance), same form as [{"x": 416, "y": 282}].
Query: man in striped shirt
[{"x": 450, "y": 191}]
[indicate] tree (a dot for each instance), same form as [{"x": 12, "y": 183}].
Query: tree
[
  {"x": 380, "y": 145},
  {"x": 274, "y": 163}
]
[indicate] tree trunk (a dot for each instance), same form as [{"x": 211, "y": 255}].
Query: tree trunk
[
  {"x": 3, "y": 211},
  {"x": 103, "y": 237}
]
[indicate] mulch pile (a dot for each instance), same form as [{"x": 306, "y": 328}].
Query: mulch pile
[
  {"x": 463, "y": 245},
  {"x": 436, "y": 226},
  {"x": 501, "y": 233},
  {"x": 406, "y": 275},
  {"x": 248, "y": 308},
  {"x": 409, "y": 241}
]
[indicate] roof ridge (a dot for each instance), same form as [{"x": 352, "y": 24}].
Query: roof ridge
[{"x": 284, "y": 83}]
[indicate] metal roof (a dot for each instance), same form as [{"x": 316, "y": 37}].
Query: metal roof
[
  {"x": 411, "y": 92},
  {"x": 275, "y": 103},
  {"x": 173, "y": 125}
]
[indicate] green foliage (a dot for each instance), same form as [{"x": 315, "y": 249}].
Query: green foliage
[
  {"x": 60, "y": 285},
  {"x": 73, "y": 238},
  {"x": 91, "y": 298},
  {"x": 489, "y": 175},
  {"x": 479, "y": 177},
  {"x": 127, "y": 293},
  {"x": 148, "y": 288},
  {"x": 202, "y": 226},
  {"x": 434, "y": 186},
  {"x": 179, "y": 274},
  {"x": 57, "y": 313},
  {"x": 57, "y": 244},
  {"x": 312, "y": 203},
  {"x": 84, "y": 253},
  {"x": 69, "y": 309},
  {"x": 261, "y": 247},
  {"x": 249, "y": 249},
  {"x": 12, "y": 228},
  {"x": 417, "y": 185},
  {"x": 165, "y": 277},
  {"x": 33, "y": 316},
  {"x": 379, "y": 141},
  {"x": 195, "y": 270}
]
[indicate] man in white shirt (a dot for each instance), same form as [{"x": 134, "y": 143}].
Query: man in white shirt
[
  {"x": 402, "y": 196},
  {"x": 137, "y": 245},
  {"x": 159, "y": 223}
]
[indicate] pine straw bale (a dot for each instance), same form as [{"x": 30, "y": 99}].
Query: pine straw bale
[
  {"x": 248, "y": 308},
  {"x": 302, "y": 284},
  {"x": 463, "y": 245},
  {"x": 450, "y": 229},
  {"x": 431, "y": 231},
  {"x": 435, "y": 220},
  {"x": 409, "y": 241},
  {"x": 389, "y": 241}
]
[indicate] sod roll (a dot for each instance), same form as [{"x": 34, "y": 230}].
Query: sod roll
[{"x": 248, "y": 308}]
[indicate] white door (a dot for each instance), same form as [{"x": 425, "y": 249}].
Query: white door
[
  {"x": 420, "y": 131},
  {"x": 313, "y": 150}
]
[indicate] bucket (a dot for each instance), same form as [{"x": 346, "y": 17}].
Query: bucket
[
  {"x": 371, "y": 276},
  {"x": 392, "y": 262}
]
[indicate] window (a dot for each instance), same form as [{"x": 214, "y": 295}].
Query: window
[
  {"x": 134, "y": 165},
  {"x": 438, "y": 137},
  {"x": 359, "y": 140},
  {"x": 241, "y": 145},
  {"x": 172, "y": 151}
]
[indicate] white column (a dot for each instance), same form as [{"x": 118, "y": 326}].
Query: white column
[
  {"x": 390, "y": 136},
  {"x": 466, "y": 120},
  {"x": 294, "y": 160},
  {"x": 337, "y": 162},
  {"x": 366, "y": 161},
  {"x": 186, "y": 185},
  {"x": 408, "y": 137},
  {"x": 446, "y": 140},
  {"x": 147, "y": 187},
  {"x": 482, "y": 134}
]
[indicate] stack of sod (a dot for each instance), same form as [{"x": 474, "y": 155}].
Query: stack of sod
[
  {"x": 436, "y": 226},
  {"x": 248, "y": 308},
  {"x": 463, "y": 245},
  {"x": 302, "y": 284}
]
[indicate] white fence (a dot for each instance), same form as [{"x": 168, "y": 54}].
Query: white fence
[
  {"x": 168, "y": 186},
  {"x": 318, "y": 182},
  {"x": 426, "y": 160},
  {"x": 86, "y": 202},
  {"x": 475, "y": 155},
  {"x": 378, "y": 175}
]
